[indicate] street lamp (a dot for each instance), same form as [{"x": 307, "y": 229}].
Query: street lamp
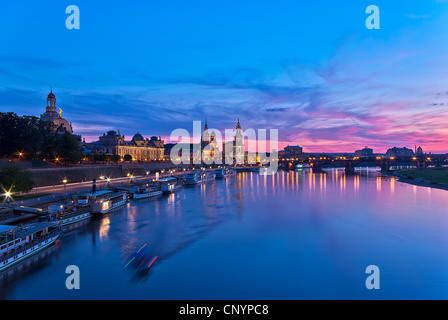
[
  {"x": 8, "y": 197},
  {"x": 64, "y": 182}
]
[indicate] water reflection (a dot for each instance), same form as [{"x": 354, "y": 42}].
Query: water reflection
[
  {"x": 104, "y": 228},
  {"x": 319, "y": 230}
]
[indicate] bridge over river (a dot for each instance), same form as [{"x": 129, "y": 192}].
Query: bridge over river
[{"x": 350, "y": 163}]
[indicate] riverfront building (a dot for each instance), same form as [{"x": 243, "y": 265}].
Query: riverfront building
[
  {"x": 233, "y": 151},
  {"x": 209, "y": 145},
  {"x": 141, "y": 149},
  {"x": 208, "y": 150},
  {"x": 137, "y": 149},
  {"x": 366, "y": 152},
  {"x": 292, "y": 152},
  {"x": 399, "y": 152}
]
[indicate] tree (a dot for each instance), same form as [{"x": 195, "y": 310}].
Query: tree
[
  {"x": 22, "y": 134},
  {"x": 67, "y": 147},
  {"x": 15, "y": 179},
  {"x": 36, "y": 139}
]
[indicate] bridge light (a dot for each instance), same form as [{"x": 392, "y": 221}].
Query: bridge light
[
  {"x": 429, "y": 159},
  {"x": 392, "y": 158},
  {"x": 414, "y": 158}
]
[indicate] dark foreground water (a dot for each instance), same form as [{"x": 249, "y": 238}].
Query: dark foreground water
[{"x": 296, "y": 235}]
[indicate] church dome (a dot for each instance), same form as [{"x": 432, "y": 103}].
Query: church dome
[
  {"x": 138, "y": 137},
  {"x": 61, "y": 123},
  {"x": 51, "y": 115}
]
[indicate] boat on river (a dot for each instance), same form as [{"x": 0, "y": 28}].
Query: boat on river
[
  {"x": 17, "y": 243},
  {"x": 196, "y": 177},
  {"x": 170, "y": 184},
  {"x": 66, "y": 213},
  {"x": 103, "y": 201},
  {"x": 147, "y": 191},
  {"x": 223, "y": 173}
]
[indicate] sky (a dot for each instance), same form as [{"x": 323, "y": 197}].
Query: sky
[{"x": 310, "y": 69}]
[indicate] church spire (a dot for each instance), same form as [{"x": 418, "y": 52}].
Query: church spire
[
  {"x": 51, "y": 101},
  {"x": 238, "y": 125},
  {"x": 206, "y": 126}
]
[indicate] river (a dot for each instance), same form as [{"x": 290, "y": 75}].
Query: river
[{"x": 295, "y": 235}]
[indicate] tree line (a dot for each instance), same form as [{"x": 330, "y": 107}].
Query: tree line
[{"x": 28, "y": 137}]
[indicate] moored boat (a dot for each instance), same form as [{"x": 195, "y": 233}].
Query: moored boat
[
  {"x": 104, "y": 201},
  {"x": 223, "y": 173},
  {"x": 170, "y": 184},
  {"x": 195, "y": 177},
  {"x": 17, "y": 243},
  {"x": 146, "y": 191},
  {"x": 66, "y": 214}
]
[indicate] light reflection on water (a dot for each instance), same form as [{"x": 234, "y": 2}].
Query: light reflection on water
[{"x": 294, "y": 235}]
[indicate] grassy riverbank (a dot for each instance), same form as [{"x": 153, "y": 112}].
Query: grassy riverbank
[{"x": 430, "y": 177}]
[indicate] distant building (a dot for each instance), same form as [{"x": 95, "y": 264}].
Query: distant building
[
  {"x": 138, "y": 149},
  {"x": 110, "y": 141},
  {"x": 399, "y": 152},
  {"x": 294, "y": 150},
  {"x": 419, "y": 151},
  {"x": 291, "y": 152},
  {"x": 193, "y": 151},
  {"x": 366, "y": 152},
  {"x": 209, "y": 144},
  {"x": 207, "y": 150},
  {"x": 238, "y": 145},
  {"x": 60, "y": 125},
  {"x": 233, "y": 151},
  {"x": 141, "y": 149}
]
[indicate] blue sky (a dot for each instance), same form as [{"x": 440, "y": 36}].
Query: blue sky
[{"x": 311, "y": 70}]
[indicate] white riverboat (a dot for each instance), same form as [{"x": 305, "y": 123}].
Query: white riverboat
[
  {"x": 170, "y": 184},
  {"x": 196, "y": 177},
  {"x": 103, "y": 201},
  {"x": 66, "y": 214},
  {"x": 147, "y": 191},
  {"x": 223, "y": 173},
  {"x": 17, "y": 243}
]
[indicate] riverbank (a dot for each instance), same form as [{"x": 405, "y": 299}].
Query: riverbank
[
  {"x": 42, "y": 197},
  {"x": 430, "y": 177},
  {"x": 51, "y": 176}
]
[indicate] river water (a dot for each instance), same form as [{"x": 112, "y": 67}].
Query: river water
[{"x": 295, "y": 235}]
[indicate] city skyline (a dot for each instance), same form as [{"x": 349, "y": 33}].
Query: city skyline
[{"x": 327, "y": 89}]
